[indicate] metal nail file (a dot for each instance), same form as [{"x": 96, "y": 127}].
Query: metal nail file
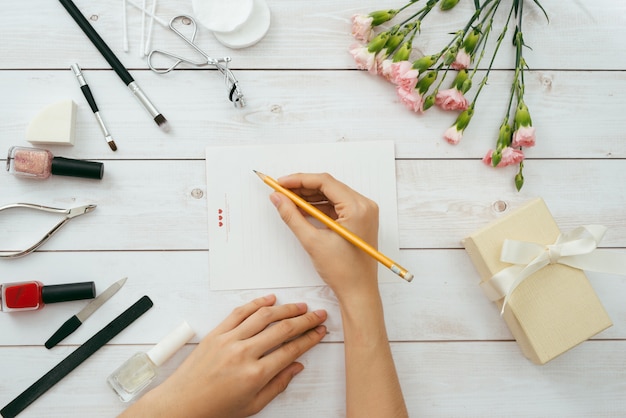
[{"x": 76, "y": 321}]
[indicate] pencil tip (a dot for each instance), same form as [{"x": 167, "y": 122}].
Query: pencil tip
[{"x": 258, "y": 173}]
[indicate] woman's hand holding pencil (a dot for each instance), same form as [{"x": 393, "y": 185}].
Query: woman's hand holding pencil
[{"x": 344, "y": 254}]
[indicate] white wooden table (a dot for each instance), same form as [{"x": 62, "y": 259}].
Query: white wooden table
[{"x": 454, "y": 354}]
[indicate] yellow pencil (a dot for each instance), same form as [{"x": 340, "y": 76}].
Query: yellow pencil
[{"x": 338, "y": 228}]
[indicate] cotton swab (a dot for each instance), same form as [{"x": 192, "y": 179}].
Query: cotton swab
[
  {"x": 125, "y": 25},
  {"x": 143, "y": 30},
  {"x": 150, "y": 26},
  {"x": 156, "y": 18}
]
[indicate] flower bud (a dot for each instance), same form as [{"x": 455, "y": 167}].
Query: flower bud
[
  {"x": 378, "y": 43},
  {"x": 403, "y": 53},
  {"x": 466, "y": 86},
  {"x": 382, "y": 16},
  {"x": 461, "y": 77},
  {"x": 522, "y": 116},
  {"x": 504, "y": 138},
  {"x": 471, "y": 40},
  {"x": 394, "y": 41},
  {"x": 464, "y": 118},
  {"x": 425, "y": 62},
  {"x": 450, "y": 55},
  {"x": 429, "y": 101},
  {"x": 424, "y": 84},
  {"x": 448, "y": 4},
  {"x": 496, "y": 157}
]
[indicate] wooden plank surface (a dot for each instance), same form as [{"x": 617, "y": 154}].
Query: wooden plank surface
[{"x": 454, "y": 354}]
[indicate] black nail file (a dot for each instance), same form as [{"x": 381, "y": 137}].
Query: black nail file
[{"x": 79, "y": 355}]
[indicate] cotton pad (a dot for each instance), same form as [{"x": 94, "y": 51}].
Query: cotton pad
[
  {"x": 251, "y": 31},
  {"x": 53, "y": 125},
  {"x": 221, "y": 15}
]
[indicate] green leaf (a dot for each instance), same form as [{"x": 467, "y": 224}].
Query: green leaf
[
  {"x": 542, "y": 9},
  {"x": 477, "y": 4}
]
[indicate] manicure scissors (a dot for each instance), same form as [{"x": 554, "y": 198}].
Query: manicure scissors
[
  {"x": 234, "y": 92},
  {"x": 69, "y": 214}
]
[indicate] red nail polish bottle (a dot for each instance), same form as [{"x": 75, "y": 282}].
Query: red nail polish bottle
[{"x": 28, "y": 296}]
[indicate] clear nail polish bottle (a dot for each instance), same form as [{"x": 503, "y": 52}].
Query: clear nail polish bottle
[
  {"x": 138, "y": 371},
  {"x": 40, "y": 164}
]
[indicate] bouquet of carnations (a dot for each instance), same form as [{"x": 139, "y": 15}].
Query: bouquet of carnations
[{"x": 420, "y": 82}]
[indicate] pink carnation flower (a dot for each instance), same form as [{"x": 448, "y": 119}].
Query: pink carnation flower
[
  {"x": 365, "y": 60},
  {"x": 411, "y": 99},
  {"x": 404, "y": 75},
  {"x": 462, "y": 60},
  {"x": 452, "y": 135},
  {"x": 510, "y": 156},
  {"x": 384, "y": 69},
  {"x": 451, "y": 99},
  {"x": 362, "y": 27},
  {"x": 523, "y": 137}
]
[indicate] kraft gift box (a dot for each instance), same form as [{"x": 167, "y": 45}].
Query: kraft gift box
[{"x": 552, "y": 310}]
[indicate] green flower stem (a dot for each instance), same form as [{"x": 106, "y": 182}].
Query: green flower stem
[
  {"x": 482, "y": 42},
  {"x": 516, "y": 89},
  {"x": 495, "y": 52},
  {"x": 487, "y": 17},
  {"x": 409, "y": 4},
  {"x": 421, "y": 13}
]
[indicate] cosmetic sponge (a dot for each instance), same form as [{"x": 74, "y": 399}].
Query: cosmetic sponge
[{"x": 54, "y": 125}]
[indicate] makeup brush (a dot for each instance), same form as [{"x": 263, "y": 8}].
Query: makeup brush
[
  {"x": 84, "y": 87},
  {"x": 115, "y": 63}
]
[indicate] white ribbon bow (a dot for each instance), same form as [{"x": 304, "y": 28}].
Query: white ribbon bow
[{"x": 575, "y": 249}]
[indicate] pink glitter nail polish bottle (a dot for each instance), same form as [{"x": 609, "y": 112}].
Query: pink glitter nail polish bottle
[{"x": 40, "y": 164}]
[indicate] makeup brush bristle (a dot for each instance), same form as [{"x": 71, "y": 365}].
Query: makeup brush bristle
[
  {"x": 111, "y": 143},
  {"x": 162, "y": 122}
]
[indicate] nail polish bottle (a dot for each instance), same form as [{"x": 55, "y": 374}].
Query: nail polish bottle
[
  {"x": 33, "y": 295},
  {"x": 138, "y": 371},
  {"x": 40, "y": 164}
]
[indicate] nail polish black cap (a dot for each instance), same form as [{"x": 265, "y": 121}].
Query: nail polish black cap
[
  {"x": 66, "y": 292},
  {"x": 77, "y": 168}
]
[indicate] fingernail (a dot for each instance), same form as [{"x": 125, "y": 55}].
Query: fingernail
[
  {"x": 297, "y": 370},
  {"x": 275, "y": 199},
  {"x": 301, "y": 306},
  {"x": 321, "y": 329},
  {"x": 321, "y": 313},
  {"x": 269, "y": 297}
]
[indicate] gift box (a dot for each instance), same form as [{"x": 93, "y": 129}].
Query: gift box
[{"x": 554, "y": 308}]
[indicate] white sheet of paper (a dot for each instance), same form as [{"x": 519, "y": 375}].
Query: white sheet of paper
[{"x": 249, "y": 245}]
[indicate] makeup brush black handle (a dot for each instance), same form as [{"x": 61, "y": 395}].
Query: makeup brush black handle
[
  {"x": 92, "y": 102},
  {"x": 97, "y": 41}
]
